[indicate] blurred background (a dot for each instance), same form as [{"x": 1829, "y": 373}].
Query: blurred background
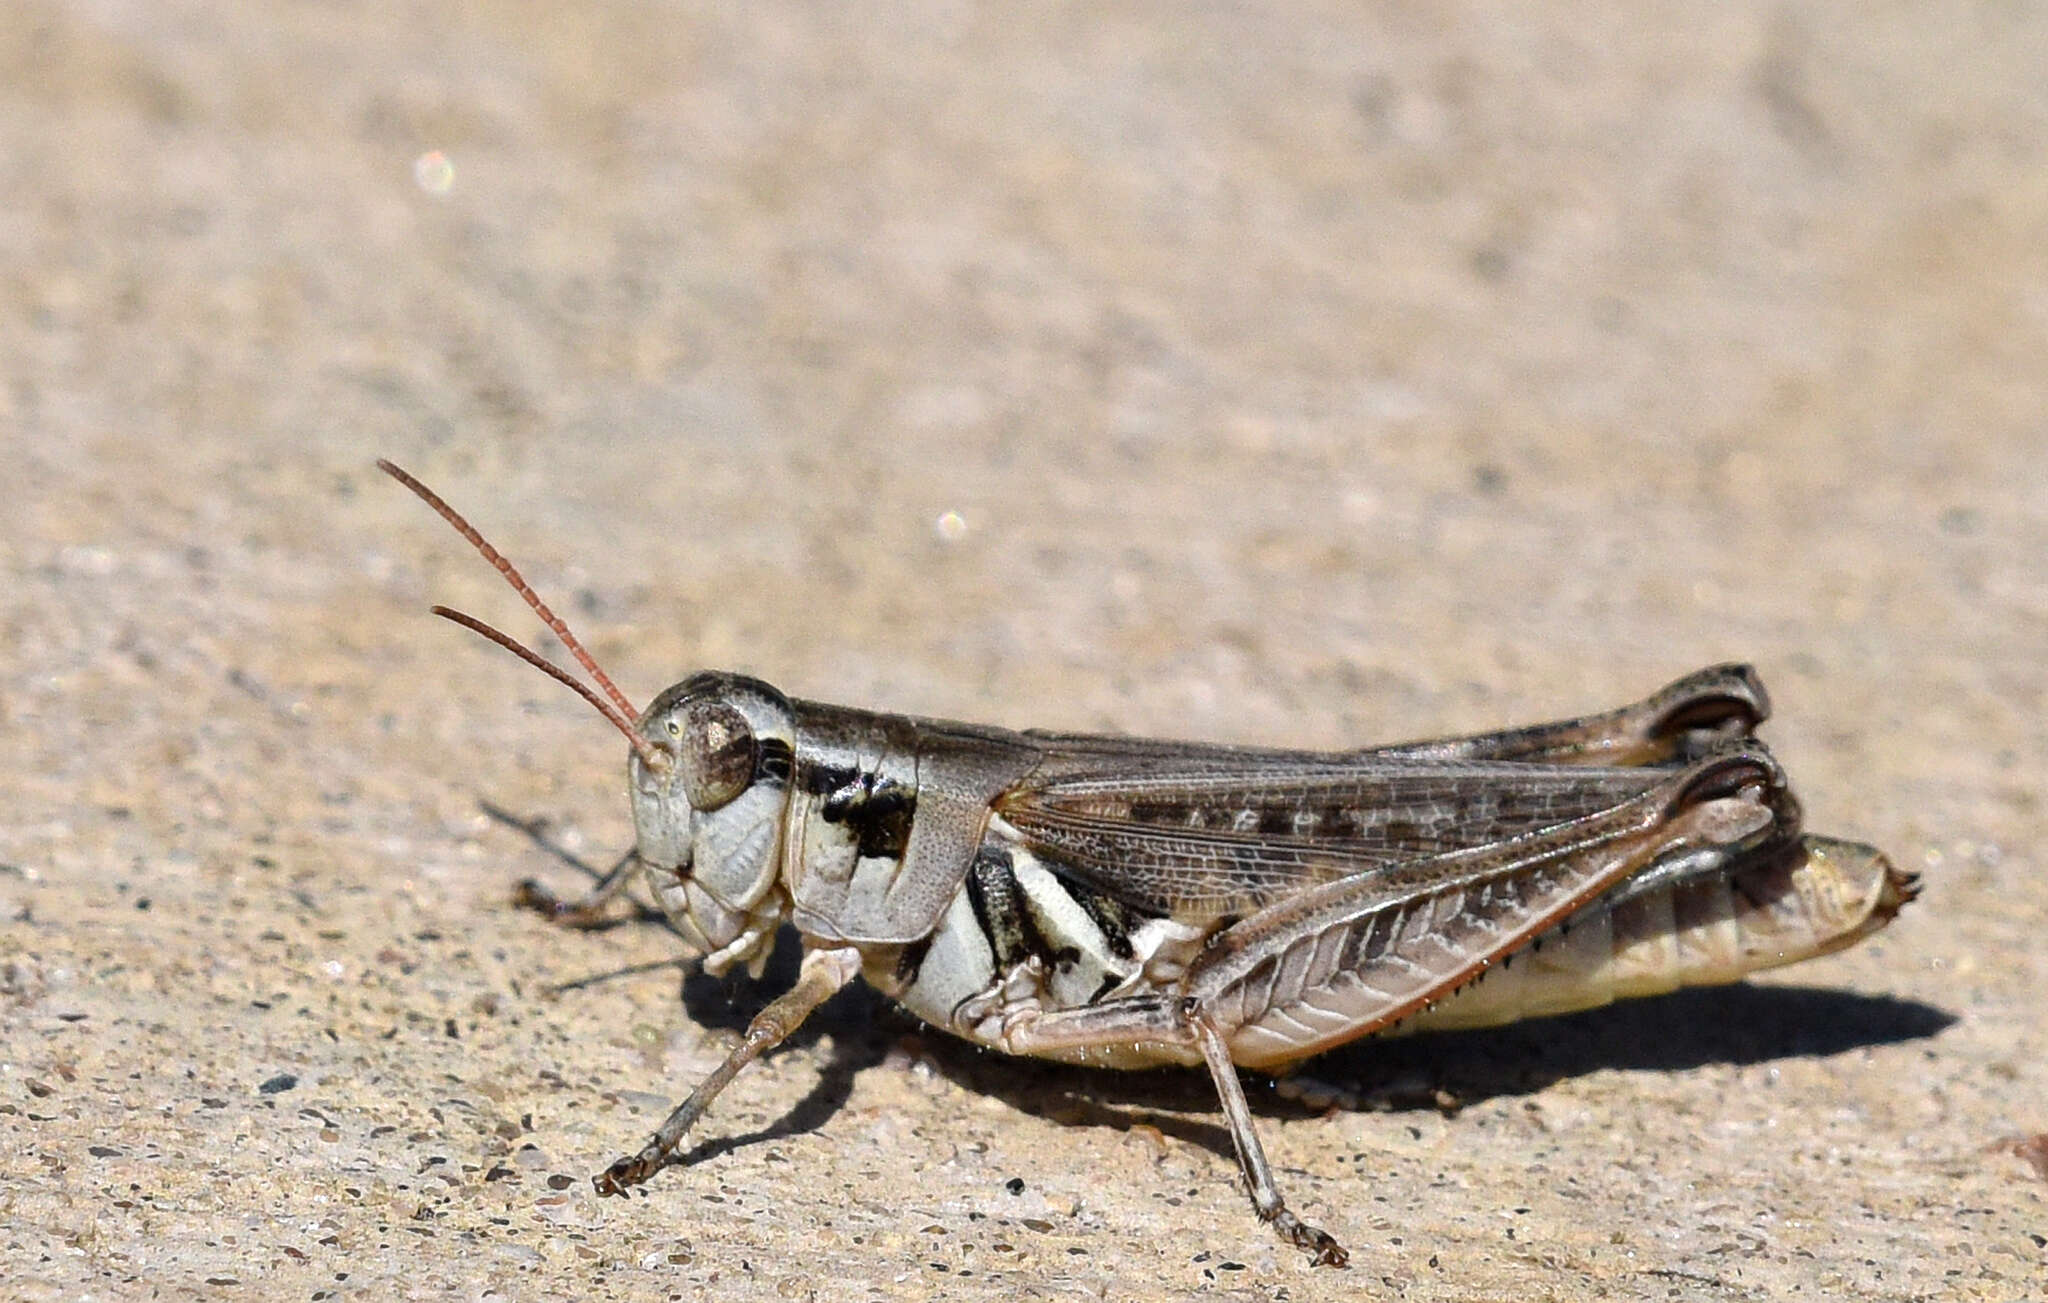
[{"x": 1295, "y": 374}]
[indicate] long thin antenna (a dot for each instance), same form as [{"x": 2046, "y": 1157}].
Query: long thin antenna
[
  {"x": 650, "y": 755},
  {"x": 512, "y": 576}
]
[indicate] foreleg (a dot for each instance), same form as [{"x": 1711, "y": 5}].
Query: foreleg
[{"x": 822, "y": 974}]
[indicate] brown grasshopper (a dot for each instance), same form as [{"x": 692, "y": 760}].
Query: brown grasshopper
[{"x": 1124, "y": 902}]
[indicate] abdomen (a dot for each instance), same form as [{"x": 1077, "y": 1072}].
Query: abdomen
[{"x": 1699, "y": 932}]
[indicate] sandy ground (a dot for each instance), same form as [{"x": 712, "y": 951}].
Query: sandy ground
[{"x": 1290, "y": 374}]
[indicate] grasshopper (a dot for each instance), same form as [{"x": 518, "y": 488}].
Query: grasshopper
[{"x": 1124, "y": 902}]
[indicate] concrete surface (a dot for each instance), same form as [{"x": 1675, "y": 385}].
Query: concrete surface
[{"x": 1288, "y": 373}]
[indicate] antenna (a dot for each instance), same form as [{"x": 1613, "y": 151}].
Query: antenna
[
  {"x": 649, "y": 754},
  {"x": 619, "y": 710},
  {"x": 512, "y": 577}
]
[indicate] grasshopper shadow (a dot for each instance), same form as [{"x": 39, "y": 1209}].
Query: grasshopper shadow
[
  {"x": 1738, "y": 1024},
  {"x": 1448, "y": 1071},
  {"x": 1444, "y": 1071}
]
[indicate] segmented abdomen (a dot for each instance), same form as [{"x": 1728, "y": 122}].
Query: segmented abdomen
[{"x": 1699, "y": 932}]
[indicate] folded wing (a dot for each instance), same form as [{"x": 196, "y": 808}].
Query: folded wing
[{"x": 1209, "y": 835}]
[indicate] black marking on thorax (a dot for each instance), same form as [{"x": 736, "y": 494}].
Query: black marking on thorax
[
  {"x": 1003, "y": 913},
  {"x": 774, "y": 761},
  {"x": 1111, "y": 916},
  {"x": 820, "y": 777},
  {"x": 876, "y": 809},
  {"x": 911, "y": 958}
]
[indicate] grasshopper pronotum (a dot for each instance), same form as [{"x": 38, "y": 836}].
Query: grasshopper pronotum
[{"x": 1126, "y": 902}]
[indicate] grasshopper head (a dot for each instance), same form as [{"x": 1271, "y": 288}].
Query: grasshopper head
[
  {"x": 709, "y": 777},
  {"x": 709, "y": 787}
]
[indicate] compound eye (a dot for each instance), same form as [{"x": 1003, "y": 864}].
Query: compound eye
[{"x": 718, "y": 755}]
